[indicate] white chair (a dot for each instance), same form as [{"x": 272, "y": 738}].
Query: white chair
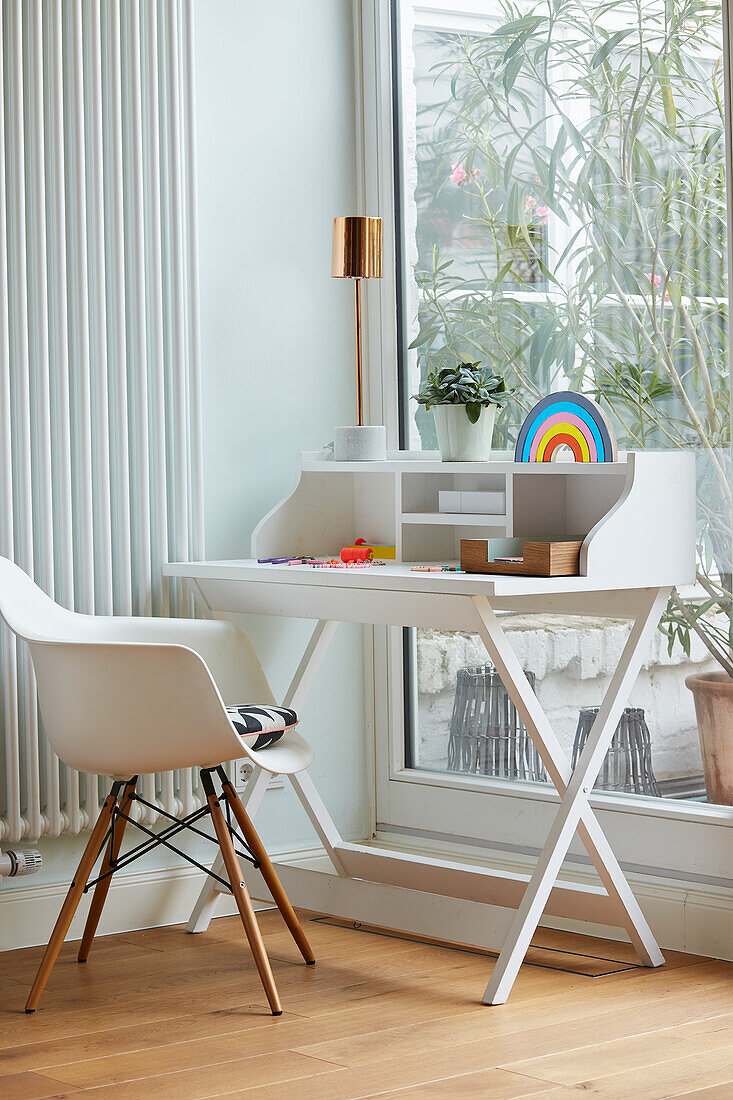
[{"x": 130, "y": 696}]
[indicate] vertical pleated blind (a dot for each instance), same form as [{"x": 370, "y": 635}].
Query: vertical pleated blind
[{"x": 100, "y": 442}]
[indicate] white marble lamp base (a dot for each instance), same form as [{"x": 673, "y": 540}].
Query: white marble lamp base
[{"x": 367, "y": 443}]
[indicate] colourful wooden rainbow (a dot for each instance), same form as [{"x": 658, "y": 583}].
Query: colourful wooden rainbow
[{"x": 569, "y": 419}]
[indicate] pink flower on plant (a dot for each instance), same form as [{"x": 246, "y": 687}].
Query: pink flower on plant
[
  {"x": 656, "y": 282},
  {"x": 537, "y": 210},
  {"x": 459, "y": 174}
]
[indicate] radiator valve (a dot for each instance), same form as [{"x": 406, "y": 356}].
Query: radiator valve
[{"x": 14, "y": 862}]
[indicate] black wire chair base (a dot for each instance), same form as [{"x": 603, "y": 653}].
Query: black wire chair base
[{"x": 178, "y": 825}]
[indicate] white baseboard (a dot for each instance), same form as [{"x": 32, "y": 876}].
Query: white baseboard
[
  {"x": 684, "y": 917},
  {"x": 143, "y": 899}
]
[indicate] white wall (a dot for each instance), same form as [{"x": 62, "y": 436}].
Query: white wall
[
  {"x": 276, "y": 163},
  {"x": 275, "y": 111}
]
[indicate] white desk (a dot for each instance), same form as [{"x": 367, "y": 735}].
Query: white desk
[{"x": 655, "y": 510}]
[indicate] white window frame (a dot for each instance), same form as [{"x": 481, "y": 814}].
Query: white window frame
[{"x": 660, "y": 837}]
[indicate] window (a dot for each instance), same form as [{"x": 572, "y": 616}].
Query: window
[{"x": 562, "y": 211}]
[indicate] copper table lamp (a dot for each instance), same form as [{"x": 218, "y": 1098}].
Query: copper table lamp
[{"x": 357, "y": 255}]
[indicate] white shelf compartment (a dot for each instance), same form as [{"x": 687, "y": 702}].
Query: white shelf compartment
[
  {"x": 431, "y": 535},
  {"x": 457, "y": 519}
]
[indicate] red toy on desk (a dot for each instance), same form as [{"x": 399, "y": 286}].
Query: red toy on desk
[
  {"x": 357, "y": 553},
  {"x": 366, "y": 551}
]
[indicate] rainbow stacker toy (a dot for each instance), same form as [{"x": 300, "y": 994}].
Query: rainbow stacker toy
[{"x": 566, "y": 419}]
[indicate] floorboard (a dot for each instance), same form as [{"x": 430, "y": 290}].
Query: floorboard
[{"x": 164, "y": 1014}]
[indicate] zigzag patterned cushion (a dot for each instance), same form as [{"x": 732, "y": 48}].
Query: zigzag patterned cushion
[{"x": 261, "y": 726}]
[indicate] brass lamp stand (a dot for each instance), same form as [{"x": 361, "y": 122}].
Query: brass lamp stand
[{"x": 357, "y": 255}]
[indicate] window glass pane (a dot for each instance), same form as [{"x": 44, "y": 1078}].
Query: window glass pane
[{"x": 564, "y": 221}]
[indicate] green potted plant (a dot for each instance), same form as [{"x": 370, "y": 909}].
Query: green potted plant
[{"x": 464, "y": 398}]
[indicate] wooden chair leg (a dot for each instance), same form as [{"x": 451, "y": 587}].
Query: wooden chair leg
[
  {"x": 269, "y": 874},
  {"x": 73, "y": 898},
  {"x": 102, "y": 888},
  {"x": 242, "y": 898}
]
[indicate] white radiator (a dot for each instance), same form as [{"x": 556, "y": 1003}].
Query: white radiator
[{"x": 100, "y": 441}]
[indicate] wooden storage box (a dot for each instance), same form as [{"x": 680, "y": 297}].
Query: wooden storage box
[{"x": 539, "y": 559}]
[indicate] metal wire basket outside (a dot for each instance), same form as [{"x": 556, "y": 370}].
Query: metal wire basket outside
[
  {"x": 628, "y": 763},
  {"x": 487, "y": 736}
]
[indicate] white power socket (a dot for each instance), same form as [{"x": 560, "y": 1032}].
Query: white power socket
[{"x": 244, "y": 770}]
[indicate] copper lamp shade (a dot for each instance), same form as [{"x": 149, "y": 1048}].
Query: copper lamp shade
[
  {"x": 357, "y": 254},
  {"x": 357, "y": 248}
]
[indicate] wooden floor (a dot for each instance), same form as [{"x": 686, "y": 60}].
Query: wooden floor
[{"x": 170, "y": 1016}]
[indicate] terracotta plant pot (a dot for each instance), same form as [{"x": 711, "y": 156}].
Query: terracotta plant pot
[{"x": 713, "y": 695}]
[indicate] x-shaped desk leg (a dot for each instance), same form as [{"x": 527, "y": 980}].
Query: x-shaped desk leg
[
  {"x": 303, "y": 785},
  {"x": 574, "y": 788}
]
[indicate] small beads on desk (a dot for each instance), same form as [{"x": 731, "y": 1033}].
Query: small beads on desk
[
  {"x": 334, "y": 563},
  {"x": 436, "y": 569}
]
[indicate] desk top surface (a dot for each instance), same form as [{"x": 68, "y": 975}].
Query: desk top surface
[{"x": 384, "y": 578}]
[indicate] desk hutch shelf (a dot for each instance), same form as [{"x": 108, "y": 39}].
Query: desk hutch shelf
[{"x": 633, "y": 516}]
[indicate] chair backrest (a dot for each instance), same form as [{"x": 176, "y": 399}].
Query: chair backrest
[
  {"x": 122, "y": 695},
  {"x": 26, "y": 608}
]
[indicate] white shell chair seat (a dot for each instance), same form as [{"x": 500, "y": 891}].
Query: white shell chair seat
[
  {"x": 130, "y": 696},
  {"x": 126, "y": 696}
]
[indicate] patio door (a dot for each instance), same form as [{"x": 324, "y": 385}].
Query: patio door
[{"x": 561, "y": 213}]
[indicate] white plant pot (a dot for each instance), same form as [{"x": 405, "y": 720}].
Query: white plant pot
[{"x": 458, "y": 439}]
